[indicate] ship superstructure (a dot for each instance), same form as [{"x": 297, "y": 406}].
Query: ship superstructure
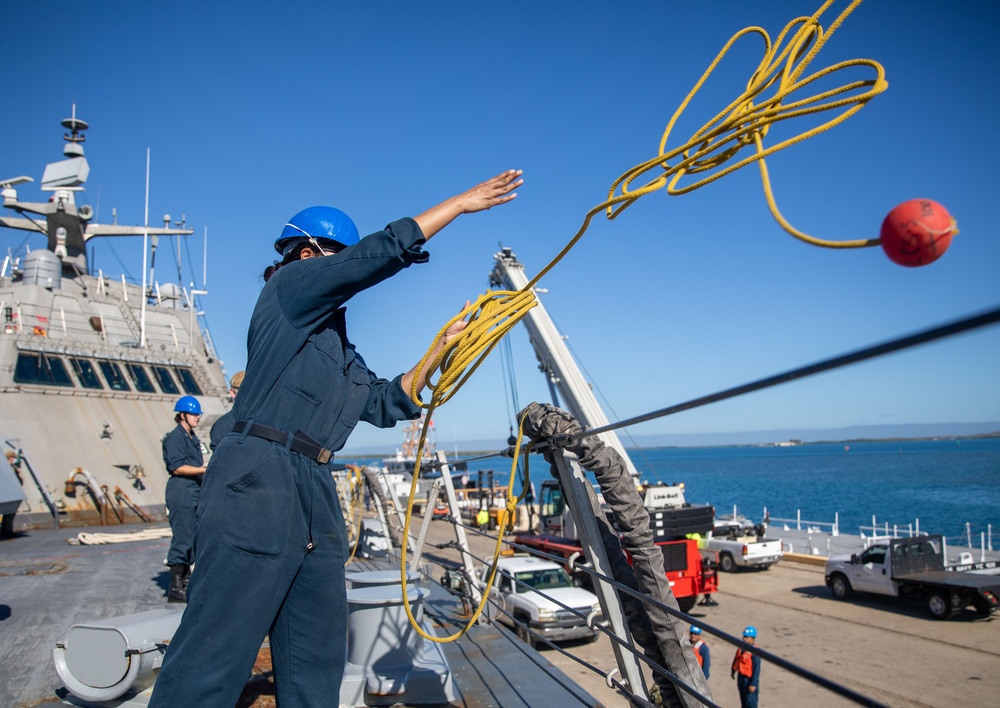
[{"x": 91, "y": 364}]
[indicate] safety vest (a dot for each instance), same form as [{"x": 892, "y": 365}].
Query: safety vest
[
  {"x": 701, "y": 659},
  {"x": 743, "y": 663}
]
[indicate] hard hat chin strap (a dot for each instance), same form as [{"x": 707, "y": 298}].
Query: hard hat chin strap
[{"x": 315, "y": 243}]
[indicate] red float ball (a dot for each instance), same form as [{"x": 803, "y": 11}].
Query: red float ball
[{"x": 917, "y": 232}]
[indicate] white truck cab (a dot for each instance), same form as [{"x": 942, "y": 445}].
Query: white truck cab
[
  {"x": 531, "y": 592},
  {"x": 870, "y": 571}
]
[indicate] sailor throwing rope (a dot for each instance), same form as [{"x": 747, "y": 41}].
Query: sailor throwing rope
[{"x": 271, "y": 541}]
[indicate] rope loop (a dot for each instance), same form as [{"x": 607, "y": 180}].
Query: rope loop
[{"x": 746, "y": 121}]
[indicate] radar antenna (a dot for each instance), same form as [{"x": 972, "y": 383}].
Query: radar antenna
[{"x": 75, "y": 137}]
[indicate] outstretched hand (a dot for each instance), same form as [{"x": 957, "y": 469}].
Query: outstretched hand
[
  {"x": 492, "y": 192},
  {"x": 486, "y": 195}
]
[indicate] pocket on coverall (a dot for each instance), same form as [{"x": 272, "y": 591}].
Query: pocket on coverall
[{"x": 258, "y": 506}]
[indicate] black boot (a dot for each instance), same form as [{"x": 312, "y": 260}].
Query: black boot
[
  {"x": 186, "y": 577},
  {"x": 176, "y": 592}
]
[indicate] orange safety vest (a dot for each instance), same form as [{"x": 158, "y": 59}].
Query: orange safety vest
[
  {"x": 743, "y": 663},
  {"x": 694, "y": 648}
]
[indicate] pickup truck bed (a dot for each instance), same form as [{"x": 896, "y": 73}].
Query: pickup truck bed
[{"x": 945, "y": 578}]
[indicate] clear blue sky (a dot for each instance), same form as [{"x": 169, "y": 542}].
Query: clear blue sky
[{"x": 255, "y": 110}]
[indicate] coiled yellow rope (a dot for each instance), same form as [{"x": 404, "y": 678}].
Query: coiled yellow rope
[{"x": 744, "y": 122}]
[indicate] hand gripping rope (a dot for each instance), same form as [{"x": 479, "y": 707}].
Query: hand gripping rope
[{"x": 744, "y": 122}]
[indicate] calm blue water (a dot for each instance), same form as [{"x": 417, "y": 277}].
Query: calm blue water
[{"x": 943, "y": 483}]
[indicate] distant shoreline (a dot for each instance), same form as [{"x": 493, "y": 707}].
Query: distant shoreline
[
  {"x": 780, "y": 443},
  {"x": 803, "y": 443}
]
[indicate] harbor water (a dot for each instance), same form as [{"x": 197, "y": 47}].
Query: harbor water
[{"x": 945, "y": 484}]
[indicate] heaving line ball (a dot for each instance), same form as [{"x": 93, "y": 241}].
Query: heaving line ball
[{"x": 917, "y": 232}]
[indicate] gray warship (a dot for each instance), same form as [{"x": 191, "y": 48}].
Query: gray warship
[{"x": 90, "y": 363}]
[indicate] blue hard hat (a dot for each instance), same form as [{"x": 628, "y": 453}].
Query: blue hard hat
[
  {"x": 188, "y": 404},
  {"x": 319, "y": 223},
  {"x": 695, "y": 630},
  {"x": 750, "y": 632}
]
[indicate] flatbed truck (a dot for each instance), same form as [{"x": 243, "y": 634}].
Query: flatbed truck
[{"x": 916, "y": 568}]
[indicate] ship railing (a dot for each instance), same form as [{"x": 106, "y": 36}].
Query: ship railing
[
  {"x": 106, "y": 324},
  {"x": 983, "y": 540},
  {"x": 800, "y": 524},
  {"x": 885, "y": 530}
]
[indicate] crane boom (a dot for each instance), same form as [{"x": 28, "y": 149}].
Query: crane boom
[{"x": 563, "y": 374}]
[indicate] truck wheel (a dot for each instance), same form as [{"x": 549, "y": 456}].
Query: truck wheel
[
  {"x": 523, "y": 633},
  {"x": 686, "y": 603},
  {"x": 939, "y": 605},
  {"x": 840, "y": 586},
  {"x": 727, "y": 563}
]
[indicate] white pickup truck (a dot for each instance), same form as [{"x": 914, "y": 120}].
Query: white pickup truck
[
  {"x": 524, "y": 592},
  {"x": 742, "y": 545},
  {"x": 916, "y": 568}
]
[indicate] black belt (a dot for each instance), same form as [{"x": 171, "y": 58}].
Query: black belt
[{"x": 300, "y": 441}]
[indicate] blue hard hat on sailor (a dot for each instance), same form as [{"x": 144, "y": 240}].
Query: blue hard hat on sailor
[
  {"x": 750, "y": 632},
  {"x": 324, "y": 226},
  {"x": 188, "y": 404}
]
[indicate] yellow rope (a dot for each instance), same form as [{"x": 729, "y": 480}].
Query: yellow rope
[
  {"x": 744, "y": 122},
  {"x": 356, "y": 495}
]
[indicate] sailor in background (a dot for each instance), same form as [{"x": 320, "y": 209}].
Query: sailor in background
[
  {"x": 701, "y": 650},
  {"x": 224, "y": 425},
  {"x": 746, "y": 671},
  {"x": 271, "y": 540},
  {"x": 183, "y": 459}
]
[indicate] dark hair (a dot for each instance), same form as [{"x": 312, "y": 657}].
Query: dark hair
[{"x": 292, "y": 255}]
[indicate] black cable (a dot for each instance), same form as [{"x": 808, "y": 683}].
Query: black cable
[{"x": 935, "y": 333}]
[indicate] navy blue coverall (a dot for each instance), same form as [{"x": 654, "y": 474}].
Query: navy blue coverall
[
  {"x": 220, "y": 429},
  {"x": 182, "y": 492},
  {"x": 271, "y": 539}
]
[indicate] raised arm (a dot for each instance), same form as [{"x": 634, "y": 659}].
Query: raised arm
[{"x": 490, "y": 193}]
